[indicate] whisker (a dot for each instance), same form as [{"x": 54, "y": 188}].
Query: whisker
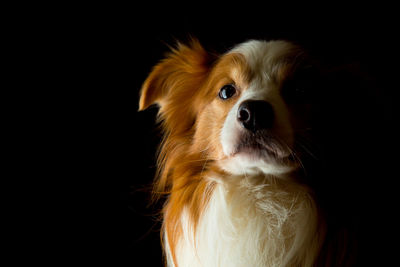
[
  {"x": 307, "y": 139},
  {"x": 308, "y": 146},
  {"x": 307, "y": 149},
  {"x": 292, "y": 152},
  {"x": 298, "y": 159}
]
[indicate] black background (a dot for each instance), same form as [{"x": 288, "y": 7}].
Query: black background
[{"x": 101, "y": 56}]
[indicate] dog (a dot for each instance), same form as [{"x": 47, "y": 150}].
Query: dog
[{"x": 230, "y": 164}]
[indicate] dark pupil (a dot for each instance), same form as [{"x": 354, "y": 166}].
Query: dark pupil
[{"x": 227, "y": 91}]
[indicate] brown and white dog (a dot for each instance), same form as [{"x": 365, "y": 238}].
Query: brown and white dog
[{"x": 229, "y": 161}]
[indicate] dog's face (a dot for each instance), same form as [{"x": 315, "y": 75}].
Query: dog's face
[{"x": 241, "y": 111}]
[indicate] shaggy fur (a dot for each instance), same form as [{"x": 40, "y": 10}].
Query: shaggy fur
[{"x": 227, "y": 206}]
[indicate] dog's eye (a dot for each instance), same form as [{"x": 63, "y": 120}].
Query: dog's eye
[{"x": 227, "y": 91}]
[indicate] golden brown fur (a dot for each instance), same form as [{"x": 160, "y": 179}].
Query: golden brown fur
[{"x": 185, "y": 85}]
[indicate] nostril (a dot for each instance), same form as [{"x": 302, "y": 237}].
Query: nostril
[{"x": 244, "y": 115}]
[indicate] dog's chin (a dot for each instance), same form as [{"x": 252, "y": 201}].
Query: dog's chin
[{"x": 256, "y": 158}]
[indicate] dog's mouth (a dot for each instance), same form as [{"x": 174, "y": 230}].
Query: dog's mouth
[
  {"x": 260, "y": 151},
  {"x": 262, "y": 145}
]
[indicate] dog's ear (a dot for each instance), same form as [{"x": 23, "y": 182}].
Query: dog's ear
[{"x": 177, "y": 77}]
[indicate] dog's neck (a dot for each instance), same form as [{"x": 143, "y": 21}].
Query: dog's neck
[{"x": 250, "y": 220}]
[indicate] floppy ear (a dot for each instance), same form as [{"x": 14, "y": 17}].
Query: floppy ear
[{"x": 177, "y": 76}]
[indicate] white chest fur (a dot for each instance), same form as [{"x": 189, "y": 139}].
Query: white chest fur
[{"x": 251, "y": 221}]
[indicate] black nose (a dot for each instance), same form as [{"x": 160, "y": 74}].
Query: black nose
[{"x": 255, "y": 115}]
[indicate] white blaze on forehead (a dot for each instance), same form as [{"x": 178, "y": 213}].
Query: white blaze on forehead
[{"x": 263, "y": 57}]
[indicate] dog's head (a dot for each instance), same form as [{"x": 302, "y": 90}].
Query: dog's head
[{"x": 239, "y": 111}]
